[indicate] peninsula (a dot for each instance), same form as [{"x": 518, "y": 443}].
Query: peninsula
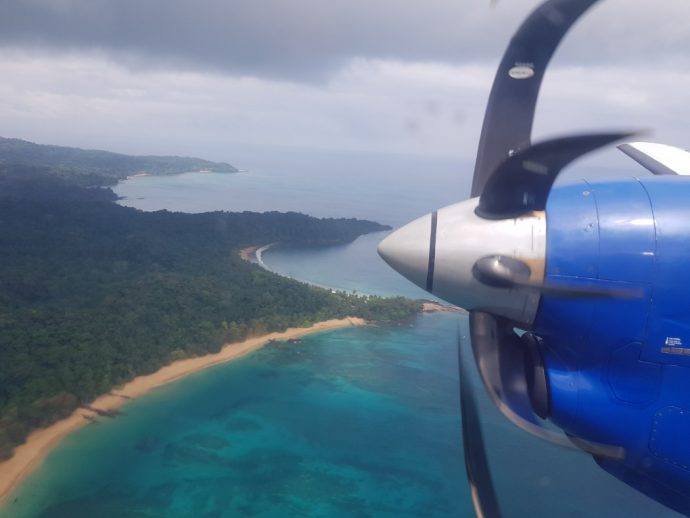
[{"x": 96, "y": 295}]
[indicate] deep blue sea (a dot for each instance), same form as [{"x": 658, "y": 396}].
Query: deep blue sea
[{"x": 357, "y": 422}]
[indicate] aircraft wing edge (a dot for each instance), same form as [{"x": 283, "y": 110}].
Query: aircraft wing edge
[{"x": 660, "y": 159}]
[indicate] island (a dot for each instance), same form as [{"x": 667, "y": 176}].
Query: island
[
  {"x": 99, "y": 302},
  {"x": 88, "y": 167}
]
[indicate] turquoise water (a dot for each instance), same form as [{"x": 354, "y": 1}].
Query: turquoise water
[
  {"x": 359, "y": 268},
  {"x": 389, "y": 189},
  {"x": 356, "y": 422}
]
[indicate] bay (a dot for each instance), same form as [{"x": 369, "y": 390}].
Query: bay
[{"x": 389, "y": 189}]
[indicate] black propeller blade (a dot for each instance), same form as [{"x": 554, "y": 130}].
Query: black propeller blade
[
  {"x": 486, "y": 334},
  {"x": 522, "y": 182},
  {"x": 500, "y": 357},
  {"x": 510, "y": 111},
  {"x": 501, "y": 271},
  {"x": 476, "y": 462},
  {"x": 508, "y": 272},
  {"x": 513, "y": 374}
]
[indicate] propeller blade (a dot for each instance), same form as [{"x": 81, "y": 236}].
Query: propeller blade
[
  {"x": 513, "y": 375},
  {"x": 499, "y": 354},
  {"x": 502, "y": 271},
  {"x": 509, "y": 113},
  {"x": 476, "y": 462},
  {"x": 522, "y": 182}
]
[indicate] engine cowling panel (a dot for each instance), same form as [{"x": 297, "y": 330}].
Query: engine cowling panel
[{"x": 617, "y": 368}]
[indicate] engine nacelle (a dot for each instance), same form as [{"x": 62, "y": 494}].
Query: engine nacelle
[{"x": 618, "y": 369}]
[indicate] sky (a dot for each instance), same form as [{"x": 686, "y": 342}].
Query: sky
[{"x": 223, "y": 78}]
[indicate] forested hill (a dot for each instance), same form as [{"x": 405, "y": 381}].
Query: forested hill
[
  {"x": 93, "y": 167},
  {"x": 93, "y": 294}
]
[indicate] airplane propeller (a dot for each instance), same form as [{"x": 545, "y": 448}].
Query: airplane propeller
[{"x": 487, "y": 254}]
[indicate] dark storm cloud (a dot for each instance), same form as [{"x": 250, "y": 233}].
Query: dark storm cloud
[
  {"x": 309, "y": 39},
  {"x": 292, "y": 38}
]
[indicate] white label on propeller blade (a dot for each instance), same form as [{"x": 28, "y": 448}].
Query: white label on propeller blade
[{"x": 521, "y": 71}]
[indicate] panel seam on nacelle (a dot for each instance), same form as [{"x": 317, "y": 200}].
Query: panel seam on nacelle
[
  {"x": 655, "y": 272},
  {"x": 596, "y": 210}
]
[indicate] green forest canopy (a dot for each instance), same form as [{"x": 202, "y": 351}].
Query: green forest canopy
[{"x": 93, "y": 294}]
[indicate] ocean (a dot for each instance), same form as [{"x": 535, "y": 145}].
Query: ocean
[
  {"x": 355, "y": 422},
  {"x": 318, "y": 428}
]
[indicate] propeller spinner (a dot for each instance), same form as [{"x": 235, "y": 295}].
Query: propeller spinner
[{"x": 439, "y": 252}]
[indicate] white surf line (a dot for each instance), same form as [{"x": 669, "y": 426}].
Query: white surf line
[
  {"x": 259, "y": 252},
  {"x": 332, "y": 289}
]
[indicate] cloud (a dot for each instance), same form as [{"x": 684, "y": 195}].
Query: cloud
[
  {"x": 213, "y": 78},
  {"x": 92, "y": 101},
  {"x": 310, "y": 40},
  {"x": 427, "y": 109}
]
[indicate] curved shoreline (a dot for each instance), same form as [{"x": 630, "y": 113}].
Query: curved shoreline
[
  {"x": 253, "y": 254},
  {"x": 29, "y": 455},
  {"x": 259, "y": 252}
]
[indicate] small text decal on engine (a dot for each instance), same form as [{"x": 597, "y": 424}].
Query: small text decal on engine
[{"x": 674, "y": 345}]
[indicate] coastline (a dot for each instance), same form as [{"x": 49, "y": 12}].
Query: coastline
[
  {"x": 29, "y": 455},
  {"x": 252, "y": 254},
  {"x": 430, "y": 306}
]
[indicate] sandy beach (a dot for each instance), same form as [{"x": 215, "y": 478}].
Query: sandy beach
[
  {"x": 29, "y": 455},
  {"x": 435, "y": 307},
  {"x": 249, "y": 254},
  {"x": 252, "y": 254}
]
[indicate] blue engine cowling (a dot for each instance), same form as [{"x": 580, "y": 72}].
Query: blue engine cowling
[{"x": 618, "y": 370}]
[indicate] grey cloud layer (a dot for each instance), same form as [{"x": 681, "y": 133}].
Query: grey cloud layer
[{"x": 310, "y": 39}]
